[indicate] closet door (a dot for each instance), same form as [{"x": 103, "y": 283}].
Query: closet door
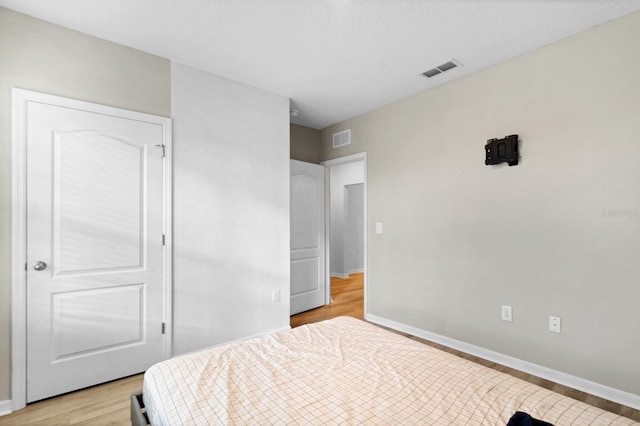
[{"x": 94, "y": 273}]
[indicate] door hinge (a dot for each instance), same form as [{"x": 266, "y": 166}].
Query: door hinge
[
  {"x": 163, "y": 239},
  {"x": 163, "y": 328},
  {"x": 161, "y": 149}
]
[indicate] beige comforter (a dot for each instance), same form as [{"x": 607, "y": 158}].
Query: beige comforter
[{"x": 346, "y": 371}]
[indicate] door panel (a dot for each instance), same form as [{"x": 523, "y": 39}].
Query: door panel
[
  {"x": 307, "y": 236},
  {"x": 111, "y": 318},
  {"x": 109, "y": 194},
  {"x": 95, "y": 217},
  {"x": 304, "y": 275},
  {"x": 305, "y": 217}
]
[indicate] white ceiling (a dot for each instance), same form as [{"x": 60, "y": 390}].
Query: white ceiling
[{"x": 335, "y": 59}]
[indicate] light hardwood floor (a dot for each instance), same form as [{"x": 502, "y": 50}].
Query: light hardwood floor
[
  {"x": 348, "y": 300},
  {"x": 102, "y": 405},
  {"x": 108, "y": 404}
]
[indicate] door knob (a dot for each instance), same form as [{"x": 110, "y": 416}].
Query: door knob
[{"x": 39, "y": 266}]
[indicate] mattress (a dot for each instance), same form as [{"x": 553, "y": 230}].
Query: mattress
[{"x": 346, "y": 371}]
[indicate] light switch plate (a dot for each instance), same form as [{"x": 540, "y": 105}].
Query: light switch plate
[{"x": 507, "y": 313}]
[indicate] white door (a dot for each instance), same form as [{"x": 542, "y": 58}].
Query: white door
[
  {"x": 94, "y": 283},
  {"x": 307, "y": 237}
]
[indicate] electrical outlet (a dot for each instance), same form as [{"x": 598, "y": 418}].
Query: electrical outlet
[
  {"x": 275, "y": 295},
  {"x": 506, "y": 313},
  {"x": 554, "y": 324}
]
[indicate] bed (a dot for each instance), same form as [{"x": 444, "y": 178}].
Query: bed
[{"x": 345, "y": 371}]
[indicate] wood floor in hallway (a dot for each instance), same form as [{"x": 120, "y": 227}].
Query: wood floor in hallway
[{"x": 348, "y": 300}]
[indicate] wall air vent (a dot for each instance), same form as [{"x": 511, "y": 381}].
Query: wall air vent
[
  {"x": 442, "y": 68},
  {"x": 342, "y": 138}
]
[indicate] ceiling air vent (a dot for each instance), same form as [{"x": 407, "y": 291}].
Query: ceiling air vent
[
  {"x": 442, "y": 68},
  {"x": 342, "y": 138}
]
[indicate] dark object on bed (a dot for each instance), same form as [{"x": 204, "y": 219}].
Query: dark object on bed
[
  {"x": 500, "y": 150},
  {"x": 138, "y": 411},
  {"x": 523, "y": 419}
]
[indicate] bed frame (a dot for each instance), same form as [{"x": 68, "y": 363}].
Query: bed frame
[{"x": 138, "y": 411}]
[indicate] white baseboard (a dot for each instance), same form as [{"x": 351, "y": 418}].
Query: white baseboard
[
  {"x": 349, "y": 272},
  {"x": 602, "y": 391},
  {"x": 256, "y": 336},
  {"x": 240, "y": 339},
  {"x": 5, "y": 407},
  {"x": 277, "y": 330},
  {"x": 338, "y": 275}
]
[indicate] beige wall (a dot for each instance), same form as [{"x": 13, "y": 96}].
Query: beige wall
[
  {"x": 43, "y": 57},
  {"x": 304, "y": 143},
  {"x": 556, "y": 235}
]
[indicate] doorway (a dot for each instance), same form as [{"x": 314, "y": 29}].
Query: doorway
[
  {"x": 346, "y": 193},
  {"x": 347, "y": 224}
]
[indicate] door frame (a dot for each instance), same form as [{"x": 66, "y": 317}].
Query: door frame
[
  {"x": 20, "y": 100},
  {"x": 362, "y": 156}
]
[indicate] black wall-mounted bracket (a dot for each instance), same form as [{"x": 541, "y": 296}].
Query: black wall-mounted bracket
[{"x": 502, "y": 150}]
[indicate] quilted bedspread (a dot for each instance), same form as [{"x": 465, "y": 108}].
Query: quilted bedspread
[{"x": 346, "y": 371}]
